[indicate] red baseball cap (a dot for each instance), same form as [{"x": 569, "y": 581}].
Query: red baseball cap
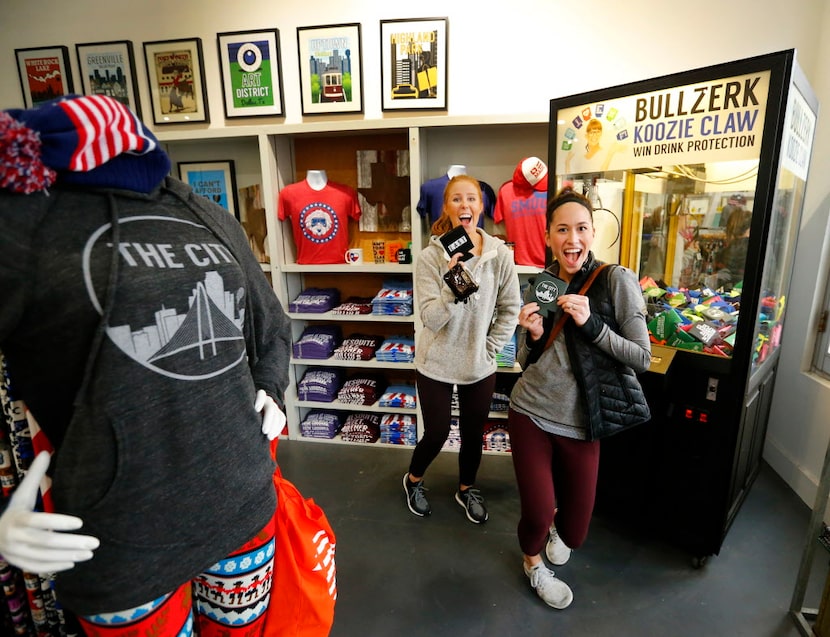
[{"x": 531, "y": 173}]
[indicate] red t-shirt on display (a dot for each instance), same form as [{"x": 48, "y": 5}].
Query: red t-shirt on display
[
  {"x": 521, "y": 204},
  {"x": 319, "y": 219},
  {"x": 523, "y": 213}
]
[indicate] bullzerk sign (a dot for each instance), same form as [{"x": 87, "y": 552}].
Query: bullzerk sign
[{"x": 717, "y": 120}]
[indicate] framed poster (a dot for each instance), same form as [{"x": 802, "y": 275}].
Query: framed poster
[
  {"x": 413, "y": 56},
  {"x": 331, "y": 69},
  {"x": 215, "y": 180},
  {"x": 176, "y": 80},
  {"x": 44, "y": 74},
  {"x": 251, "y": 73},
  {"x": 108, "y": 68}
]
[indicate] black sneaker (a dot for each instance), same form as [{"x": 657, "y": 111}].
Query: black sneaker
[
  {"x": 415, "y": 498},
  {"x": 473, "y": 505}
]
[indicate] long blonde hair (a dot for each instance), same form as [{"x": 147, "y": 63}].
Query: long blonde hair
[{"x": 443, "y": 224}]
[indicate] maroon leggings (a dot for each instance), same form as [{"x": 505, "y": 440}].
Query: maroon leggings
[
  {"x": 552, "y": 472},
  {"x": 435, "y": 398}
]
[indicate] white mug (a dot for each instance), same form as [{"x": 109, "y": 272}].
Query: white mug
[{"x": 354, "y": 256}]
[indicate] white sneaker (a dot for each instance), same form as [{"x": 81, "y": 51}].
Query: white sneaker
[
  {"x": 553, "y": 591},
  {"x": 557, "y": 551}
]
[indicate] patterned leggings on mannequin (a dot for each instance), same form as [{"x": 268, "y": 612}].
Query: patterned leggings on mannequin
[{"x": 231, "y": 600}]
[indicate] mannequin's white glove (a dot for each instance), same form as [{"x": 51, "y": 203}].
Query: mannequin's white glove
[
  {"x": 273, "y": 419},
  {"x": 31, "y": 540}
]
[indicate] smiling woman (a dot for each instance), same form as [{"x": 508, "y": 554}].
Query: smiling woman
[
  {"x": 463, "y": 332},
  {"x": 558, "y": 406}
]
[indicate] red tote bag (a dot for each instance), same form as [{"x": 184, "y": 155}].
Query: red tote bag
[{"x": 304, "y": 590}]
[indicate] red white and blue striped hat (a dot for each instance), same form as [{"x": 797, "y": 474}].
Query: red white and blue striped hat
[{"x": 90, "y": 140}]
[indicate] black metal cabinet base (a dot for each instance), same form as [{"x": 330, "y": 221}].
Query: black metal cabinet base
[{"x": 682, "y": 477}]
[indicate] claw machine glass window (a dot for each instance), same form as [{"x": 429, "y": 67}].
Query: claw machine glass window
[{"x": 673, "y": 173}]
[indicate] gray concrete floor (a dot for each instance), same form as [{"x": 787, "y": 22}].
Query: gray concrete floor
[{"x": 400, "y": 575}]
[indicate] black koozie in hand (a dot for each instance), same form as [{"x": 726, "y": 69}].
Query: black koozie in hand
[
  {"x": 457, "y": 240},
  {"x": 545, "y": 289}
]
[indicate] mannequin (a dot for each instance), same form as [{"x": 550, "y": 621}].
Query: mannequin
[
  {"x": 316, "y": 179},
  {"x": 30, "y": 539},
  {"x": 182, "y": 514},
  {"x": 455, "y": 170}
]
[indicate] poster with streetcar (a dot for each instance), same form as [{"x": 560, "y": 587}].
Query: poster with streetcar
[
  {"x": 330, "y": 69},
  {"x": 176, "y": 79}
]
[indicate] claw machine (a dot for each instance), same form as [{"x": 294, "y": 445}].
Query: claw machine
[{"x": 698, "y": 181}]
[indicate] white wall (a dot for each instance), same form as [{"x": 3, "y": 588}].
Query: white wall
[
  {"x": 799, "y": 427},
  {"x": 512, "y": 63}
]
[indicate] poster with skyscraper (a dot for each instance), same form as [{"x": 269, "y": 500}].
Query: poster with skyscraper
[
  {"x": 413, "y": 57},
  {"x": 331, "y": 69},
  {"x": 108, "y": 68}
]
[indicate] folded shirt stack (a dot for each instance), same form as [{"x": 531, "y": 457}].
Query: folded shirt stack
[
  {"x": 358, "y": 347},
  {"x": 394, "y": 298},
  {"x": 320, "y": 384},
  {"x": 499, "y": 402},
  {"x": 398, "y": 429},
  {"x": 320, "y": 424},
  {"x": 317, "y": 341},
  {"x": 396, "y": 349},
  {"x": 361, "y": 390},
  {"x": 507, "y": 356},
  {"x": 361, "y": 427},
  {"x": 315, "y": 300},
  {"x": 354, "y": 305},
  {"x": 400, "y": 395},
  {"x": 453, "y": 441}
]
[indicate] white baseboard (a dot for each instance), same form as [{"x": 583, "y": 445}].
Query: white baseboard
[{"x": 803, "y": 482}]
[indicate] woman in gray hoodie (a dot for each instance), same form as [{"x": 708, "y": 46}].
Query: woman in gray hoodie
[{"x": 459, "y": 342}]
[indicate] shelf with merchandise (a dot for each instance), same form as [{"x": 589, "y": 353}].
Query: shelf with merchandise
[
  {"x": 374, "y": 167},
  {"x": 356, "y": 293},
  {"x": 321, "y": 417},
  {"x": 338, "y": 441},
  {"x": 368, "y": 364},
  {"x": 336, "y": 268},
  {"x": 360, "y": 318},
  {"x": 336, "y": 405},
  {"x": 273, "y": 155}
]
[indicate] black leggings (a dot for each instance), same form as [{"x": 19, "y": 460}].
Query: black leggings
[{"x": 436, "y": 403}]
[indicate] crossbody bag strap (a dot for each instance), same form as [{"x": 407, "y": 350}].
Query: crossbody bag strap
[{"x": 561, "y": 322}]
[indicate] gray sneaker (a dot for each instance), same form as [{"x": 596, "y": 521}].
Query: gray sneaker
[
  {"x": 553, "y": 591},
  {"x": 415, "y": 498},
  {"x": 473, "y": 505},
  {"x": 557, "y": 551}
]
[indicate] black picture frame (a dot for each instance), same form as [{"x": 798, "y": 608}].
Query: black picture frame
[
  {"x": 215, "y": 180},
  {"x": 414, "y": 59},
  {"x": 176, "y": 81},
  {"x": 108, "y": 68},
  {"x": 331, "y": 68},
  {"x": 44, "y": 73},
  {"x": 251, "y": 71}
]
